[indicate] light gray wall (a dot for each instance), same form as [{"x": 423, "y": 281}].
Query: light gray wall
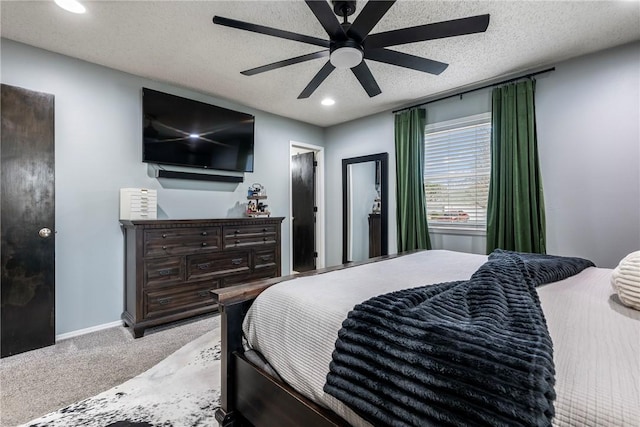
[
  {"x": 589, "y": 146},
  {"x": 588, "y": 113},
  {"x": 98, "y": 150},
  {"x": 370, "y": 135},
  {"x": 457, "y": 107}
]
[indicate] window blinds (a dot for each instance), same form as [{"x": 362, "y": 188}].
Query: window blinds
[{"x": 457, "y": 169}]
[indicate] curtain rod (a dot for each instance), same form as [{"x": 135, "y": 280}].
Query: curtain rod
[{"x": 523, "y": 76}]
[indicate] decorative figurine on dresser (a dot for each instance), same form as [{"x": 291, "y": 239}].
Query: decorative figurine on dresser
[
  {"x": 256, "y": 207},
  {"x": 172, "y": 265}
]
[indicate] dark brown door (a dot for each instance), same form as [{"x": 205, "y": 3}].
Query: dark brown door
[
  {"x": 27, "y": 221},
  {"x": 303, "y": 207}
]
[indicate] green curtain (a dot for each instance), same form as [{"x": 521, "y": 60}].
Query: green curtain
[
  {"x": 413, "y": 232},
  {"x": 515, "y": 213}
]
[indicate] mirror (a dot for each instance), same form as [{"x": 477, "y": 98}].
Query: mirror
[{"x": 364, "y": 207}]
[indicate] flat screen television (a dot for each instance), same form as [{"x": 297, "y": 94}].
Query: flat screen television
[{"x": 184, "y": 132}]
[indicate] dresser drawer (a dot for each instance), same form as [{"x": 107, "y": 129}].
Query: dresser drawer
[
  {"x": 236, "y": 237},
  {"x": 211, "y": 265},
  {"x": 163, "y": 271},
  {"x": 181, "y": 241},
  {"x": 264, "y": 258},
  {"x": 264, "y": 273},
  {"x": 239, "y": 279},
  {"x": 164, "y": 301}
]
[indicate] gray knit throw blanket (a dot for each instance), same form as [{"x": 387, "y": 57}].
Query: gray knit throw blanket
[{"x": 465, "y": 353}]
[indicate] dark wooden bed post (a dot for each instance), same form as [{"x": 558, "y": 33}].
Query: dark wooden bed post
[
  {"x": 280, "y": 400},
  {"x": 233, "y": 304},
  {"x": 231, "y": 341}
]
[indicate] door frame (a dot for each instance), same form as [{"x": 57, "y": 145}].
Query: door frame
[{"x": 298, "y": 147}]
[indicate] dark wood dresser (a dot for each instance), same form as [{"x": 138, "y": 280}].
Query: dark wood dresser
[{"x": 171, "y": 265}]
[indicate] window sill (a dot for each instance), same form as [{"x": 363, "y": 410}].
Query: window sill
[{"x": 463, "y": 231}]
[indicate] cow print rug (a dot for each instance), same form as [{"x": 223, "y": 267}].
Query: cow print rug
[{"x": 182, "y": 390}]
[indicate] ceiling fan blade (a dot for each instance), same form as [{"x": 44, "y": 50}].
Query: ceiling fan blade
[
  {"x": 438, "y": 30},
  {"x": 269, "y": 31},
  {"x": 370, "y": 15},
  {"x": 285, "y": 63},
  {"x": 327, "y": 18},
  {"x": 317, "y": 80},
  {"x": 364, "y": 76},
  {"x": 405, "y": 60}
]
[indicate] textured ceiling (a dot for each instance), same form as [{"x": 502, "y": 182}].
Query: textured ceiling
[{"x": 176, "y": 42}]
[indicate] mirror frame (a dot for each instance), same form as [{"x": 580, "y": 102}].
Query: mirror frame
[{"x": 383, "y": 158}]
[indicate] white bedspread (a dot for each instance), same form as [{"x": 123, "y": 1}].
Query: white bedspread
[
  {"x": 596, "y": 344},
  {"x": 596, "y": 340}
]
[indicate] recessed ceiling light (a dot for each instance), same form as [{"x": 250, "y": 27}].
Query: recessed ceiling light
[
  {"x": 327, "y": 101},
  {"x": 194, "y": 135},
  {"x": 71, "y": 6}
]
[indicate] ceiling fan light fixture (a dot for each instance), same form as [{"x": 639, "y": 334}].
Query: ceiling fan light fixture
[{"x": 346, "y": 57}]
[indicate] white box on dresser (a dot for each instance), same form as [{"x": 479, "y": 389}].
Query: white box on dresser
[{"x": 138, "y": 203}]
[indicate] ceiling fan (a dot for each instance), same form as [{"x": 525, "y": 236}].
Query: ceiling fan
[{"x": 350, "y": 43}]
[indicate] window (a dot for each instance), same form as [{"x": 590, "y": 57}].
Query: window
[{"x": 456, "y": 171}]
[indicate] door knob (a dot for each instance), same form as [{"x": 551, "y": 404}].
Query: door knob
[{"x": 44, "y": 232}]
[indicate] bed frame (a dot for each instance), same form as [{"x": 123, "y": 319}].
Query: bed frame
[{"x": 250, "y": 397}]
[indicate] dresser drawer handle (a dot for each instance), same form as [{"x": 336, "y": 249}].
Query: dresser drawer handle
[
  {"x": 164, "y": 272},
  {"x": 236, "y": 261},
  {"x": 164, "y": 248},
  {"x": 164, "y": 301},
  {"x": 265, "y": 257},
  {"x": 203, "y": 294},
  {"x": 236, "y": 232},
  {"x": 204, "y": 266},
  {"x": 264, "y": 230},
  {"x": 237, "y": 241},
  {"x": 204, "y": 244},
  {"x": 204, "y": 233},
  {"x": 164, "y": 236},
  {"x": 264, "y": 239}
]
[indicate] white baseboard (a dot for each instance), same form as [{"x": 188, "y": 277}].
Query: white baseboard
[{"x": 79, "y": 332}]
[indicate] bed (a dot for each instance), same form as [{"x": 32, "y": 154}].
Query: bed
[{"x": 277, "y": 348}]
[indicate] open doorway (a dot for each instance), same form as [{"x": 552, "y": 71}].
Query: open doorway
[{"x": 306, "y": 207}]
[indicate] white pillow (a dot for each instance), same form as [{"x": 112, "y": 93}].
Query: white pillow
[{"x": 625, "y": 280}]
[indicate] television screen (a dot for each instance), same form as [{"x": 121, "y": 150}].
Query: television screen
[{"x": 184, "y": 132}]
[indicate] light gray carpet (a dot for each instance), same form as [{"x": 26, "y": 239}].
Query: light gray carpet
[{"x": 41, "y": 381}]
